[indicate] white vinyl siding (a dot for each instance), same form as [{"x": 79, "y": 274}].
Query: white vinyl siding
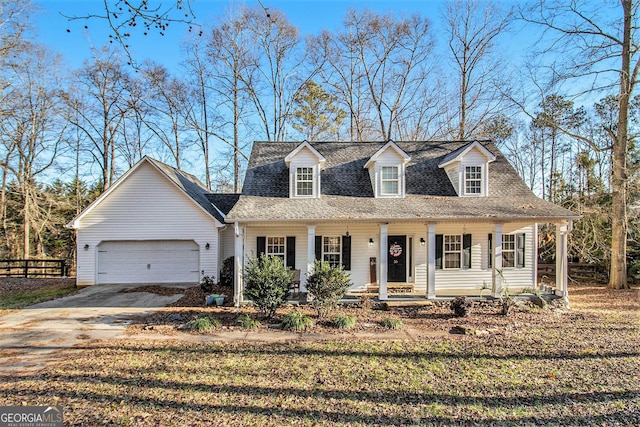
[
  {"x": 455, "y": 281},
  {"x": 146, "y": 206}
]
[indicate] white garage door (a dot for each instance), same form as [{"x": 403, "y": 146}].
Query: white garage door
[{"x": 152, "y": 261}]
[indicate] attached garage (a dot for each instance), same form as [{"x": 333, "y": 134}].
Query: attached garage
[
  {"x": 161, "y": 261},
  {"x": 156, "y": 224}
]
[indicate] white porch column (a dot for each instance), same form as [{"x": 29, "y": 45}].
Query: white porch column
[
  {"x": 431, "y": 261},
  {"x": 238, "y": 264},
  {"x": 382, "y": 280},
  {"x": 311, "y": 248},
  {"x": 562, "y": 267},
  {"x": 496, "y": 270}
]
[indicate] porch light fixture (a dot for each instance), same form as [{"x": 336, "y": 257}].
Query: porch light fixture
[
  {"x": 370, "y": 242},
  {"x": 422, "y": 242},
  {"x": 207, "y": 246},
  {"x": 86, "y": 247}
]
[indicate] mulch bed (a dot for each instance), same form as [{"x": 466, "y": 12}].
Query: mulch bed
[{"x": 434, "y": 317}]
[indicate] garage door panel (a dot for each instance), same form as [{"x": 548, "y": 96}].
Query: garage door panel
[{"x": 148, "y": 262}]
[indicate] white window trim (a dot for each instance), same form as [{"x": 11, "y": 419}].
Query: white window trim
[
  {"x": 293, "y": 181},
  {"x": 267, "y": 252},
  {"x": 463, "y": 180},
  {"x": 379, "y": 181},
  {"x": 396, "y": 180},
  {"x": 339, "y": 252},
  {"x": 297, "y": 181},
  {"x": 460, "y": 252},
  {"x": 513, "y": 251}
]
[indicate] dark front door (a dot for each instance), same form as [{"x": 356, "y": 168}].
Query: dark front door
[{"x": 397, "y": 259}]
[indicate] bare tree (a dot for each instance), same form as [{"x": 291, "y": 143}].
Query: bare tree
[
  {"x": 232, "y": 54},
  {"x": 165, "y": 101},
  {"x": 31, "y": 126},
  {"x": 127, "y": 17},
  {"x": 378, "y": 65},
  {"x": 101, "y": 102},
  {"x": 196, "y": 106},
  {"x": 278, "y": 71},
  {"x": 599, "y": 51},
  {"x": 473, "y": 27}
]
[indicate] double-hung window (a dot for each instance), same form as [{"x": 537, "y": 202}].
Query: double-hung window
[
  {"x": 452, "y": 250},
  {"x": 390, "y": 181},
  {"x": 508, "y": 250},
  {"x": 332, "y": 250},
  {"x": 276, "y": 247},
  {"x": 304, "y": 181},
  {"x": 473, "y": 180}
]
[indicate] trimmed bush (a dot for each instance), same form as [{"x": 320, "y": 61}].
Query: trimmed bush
[
  {"x": 296, "y": 321},
  {"x": 392, "y": 323},
  {"x": 461, "y": 306},
  {"x": 203, "y": 323},
  {"x": 226, "y": 272},
  {"x": 248, "y": 323},
  {"x": 327, "y": 286},
  {"x": 343, "y": 321},
  {"x": 267, "y": 283}
]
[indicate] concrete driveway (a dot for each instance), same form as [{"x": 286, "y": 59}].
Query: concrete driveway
[{"x": 32, "y": 337}]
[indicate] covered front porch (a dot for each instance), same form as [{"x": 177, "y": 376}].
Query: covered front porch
[{"x": 396, "y": 261}]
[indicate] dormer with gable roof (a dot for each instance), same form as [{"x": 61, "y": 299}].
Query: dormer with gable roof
[
  {"x": 387, "y": 171},
  {"x": 305, "y": 164},
  {"x": 468, "y": 169}
]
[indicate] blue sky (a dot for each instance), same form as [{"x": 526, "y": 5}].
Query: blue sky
[{"x": 310, "y": 16}]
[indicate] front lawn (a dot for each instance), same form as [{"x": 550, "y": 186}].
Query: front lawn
[
  {"x": 19, "y": 292},
  {"x": 545, "y": 367}
]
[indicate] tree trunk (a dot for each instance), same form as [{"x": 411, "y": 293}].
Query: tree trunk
[{"x": 618, "y": 274}]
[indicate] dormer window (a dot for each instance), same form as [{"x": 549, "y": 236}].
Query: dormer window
[
  {"x": 304, "y": 181},
  {"x": 305, "y": 164},
  {"x": 473, "y": 180},
  {"x": 390, "y": 180},
  {"x": 468, "y": 169},
  {"x": 387, "y": 169}
]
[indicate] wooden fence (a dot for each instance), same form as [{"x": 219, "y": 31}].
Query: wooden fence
[
  {"x": 578, "y": 272},
  {"x": 34, "y": 268}
]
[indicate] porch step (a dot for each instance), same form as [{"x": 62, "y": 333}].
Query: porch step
[{"x": 392, "y": 288}]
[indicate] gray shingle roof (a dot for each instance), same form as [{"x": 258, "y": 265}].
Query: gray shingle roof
[
  {"x": 194, "y": 189},
  {"x": 347, "y": 193}
]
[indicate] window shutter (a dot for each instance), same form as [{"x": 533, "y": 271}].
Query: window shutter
[
  {"x": 319, "y": 248},
  {"x": 520, "y": 250},
  {"x": 466, "y": 250},
  {"x": 291, "y": 252},
  {"x": 346, "y": 252},
  {"x": 490, "y": 264},
  {"x": 439, "y": 242},
  {"x": 261, "y": 245}
]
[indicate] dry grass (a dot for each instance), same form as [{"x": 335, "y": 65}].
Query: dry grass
[
  {"x": 21, "y": 292},
  {"x": 538, "y": 367}
]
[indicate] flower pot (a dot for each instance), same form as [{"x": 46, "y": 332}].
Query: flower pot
[
  {"x": 219, "y": 300},
  {"x": 210, "y": 299}
]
